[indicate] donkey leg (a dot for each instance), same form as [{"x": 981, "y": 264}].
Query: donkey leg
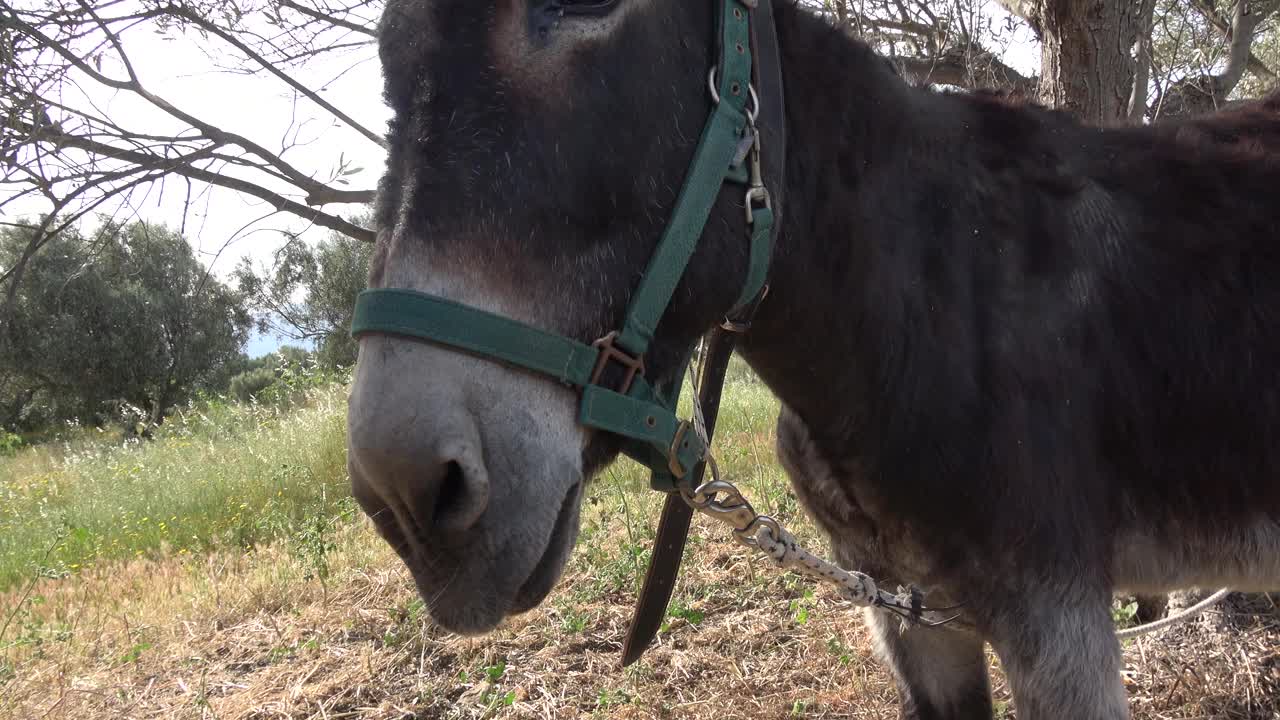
[
  {"x": 1062, "y": 659},
  {"x": 941, "y": 674}
]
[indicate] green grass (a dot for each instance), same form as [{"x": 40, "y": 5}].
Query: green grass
[
  {"x": 218, "y": 475},
  {"x": 224, "y": 474}
]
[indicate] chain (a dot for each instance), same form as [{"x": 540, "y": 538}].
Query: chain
[{"x": 722, "y": 500}]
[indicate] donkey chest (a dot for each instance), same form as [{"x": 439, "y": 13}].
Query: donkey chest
[{"x": 842, "y": 501}]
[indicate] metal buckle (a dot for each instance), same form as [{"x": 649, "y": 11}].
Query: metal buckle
[
  {"x": 673, "y": 463},
  {"x": 742, "y": 326},
  {"x": 608, "y": 351}
]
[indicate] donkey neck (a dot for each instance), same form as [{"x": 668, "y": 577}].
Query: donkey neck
[{"x": 848, "y": 114}]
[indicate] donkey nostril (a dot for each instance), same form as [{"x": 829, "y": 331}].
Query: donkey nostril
[
  {"x": 461, "y": 493},
  {"x": 453, "y": 490}
]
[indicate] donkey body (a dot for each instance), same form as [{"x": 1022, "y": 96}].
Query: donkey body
[{"x": 1024, "y": 363}]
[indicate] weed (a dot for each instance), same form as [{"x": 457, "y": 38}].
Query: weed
[
  {"x": 1125, "y": 615},
  {"x": 572, "y": 621},
  {"x": 313, "y": 543},
  {"x": 607, "y": 698},
  {"x": 693, "y": 617},
  {"x": 9, "y": 443},
  {"x": 799, "y": 608},
  {"x": 839, "y": 649},
  {"x": 133, "y": 654}
]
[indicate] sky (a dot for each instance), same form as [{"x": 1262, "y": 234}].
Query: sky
[{"x": 224, "y": 226}]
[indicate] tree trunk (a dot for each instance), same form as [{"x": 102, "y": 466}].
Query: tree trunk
[
  {"x": 1142, "y": 62},
  {"x": 1086, "y": 65}
]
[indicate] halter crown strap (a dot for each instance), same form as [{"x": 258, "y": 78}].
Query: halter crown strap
[{"x": 712, "y": 162}]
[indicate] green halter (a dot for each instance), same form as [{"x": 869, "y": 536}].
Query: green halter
[{"x": 642, "y": 413}]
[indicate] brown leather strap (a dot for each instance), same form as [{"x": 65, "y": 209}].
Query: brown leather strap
[
  {"x": 673, "y": 527},
  {"x": 660, "y": 580}
]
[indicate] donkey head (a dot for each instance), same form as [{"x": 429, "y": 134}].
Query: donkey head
[{"x": 536, "y": 151}]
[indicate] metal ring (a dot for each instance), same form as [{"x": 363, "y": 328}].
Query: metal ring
[{"x": 752, "y": 112}]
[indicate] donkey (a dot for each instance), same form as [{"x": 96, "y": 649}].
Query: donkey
[{"x": 1024, "y": 363}]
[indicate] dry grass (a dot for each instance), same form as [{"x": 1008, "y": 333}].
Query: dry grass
[
  {"x": 239, "y": 637},
  {"x": 323, "y": 622}
]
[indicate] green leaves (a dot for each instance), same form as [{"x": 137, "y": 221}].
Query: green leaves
[
  {"x": 124, "y": 322},
  {"x": 309, "y": 293}
]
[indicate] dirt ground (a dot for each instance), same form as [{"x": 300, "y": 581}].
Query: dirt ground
[{"x": 251, "y": 636}]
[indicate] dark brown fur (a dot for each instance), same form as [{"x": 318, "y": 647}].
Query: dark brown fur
[{"x": 1024, "y": 362}]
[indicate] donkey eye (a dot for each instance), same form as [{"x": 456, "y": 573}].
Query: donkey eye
[{"x": 587, "y": 7}]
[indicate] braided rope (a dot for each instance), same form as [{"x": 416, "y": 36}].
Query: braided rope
[
  {"x": 857, "y": 587},
  {"x": 1172, "y": 619}
]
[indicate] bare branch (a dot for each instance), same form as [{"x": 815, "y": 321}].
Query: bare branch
[
  {"x": 331, "y": 19},
  {"x": 269, "y": 67},
  {"x": 182, "y": 166},
  {"x": 1220, "y": 23},
  {"x": 967, "y": 70},
  {"x": 1206, "y": 91},
  {"x": 307, "y": 183},
  {"x": 1028, "y": 10}
]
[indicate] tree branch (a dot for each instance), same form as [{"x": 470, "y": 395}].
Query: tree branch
[
  {"x": 1028, "y": 10},
  {"x": 1244, "y": 21},
  {"x": 308, "y": 184},
  {"x": 271, "y": 68},
  {"x": 1219, "y": 23},
  {"x": 335, "y": 21},
  {"x": 967, "y": 70},
  {"x": 182, "y": 167}
]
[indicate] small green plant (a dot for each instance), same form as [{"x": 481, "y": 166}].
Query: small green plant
[
  {"x": 1125, "y": 615},
  {"x": 314, "y": 543},
  {"x": 135, "y": 653},
  {"x": 799, "y": 607},
  {"x": 279, "y": 652},
  {"x": 693, "y": 617},
  {"x": 799, "y": 708},
  {"x": 491, "y": 697},
  {"x": 9, "y": 444},
  {"x": 572, "y": 621},
  {"x": 607, "y": 698},
  {"x": 839, "y": 649}
]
